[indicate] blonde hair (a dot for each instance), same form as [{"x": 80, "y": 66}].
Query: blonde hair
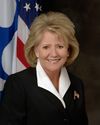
[{"x": 55, "y": 22}]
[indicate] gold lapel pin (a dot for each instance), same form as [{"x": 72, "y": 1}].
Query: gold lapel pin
[{"x": 76, "y": 95}]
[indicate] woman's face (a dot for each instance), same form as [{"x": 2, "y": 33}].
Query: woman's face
[{"x": 52, "y": 52}]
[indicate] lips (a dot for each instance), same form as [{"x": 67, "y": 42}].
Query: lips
[{"x": 54, "y": 60}]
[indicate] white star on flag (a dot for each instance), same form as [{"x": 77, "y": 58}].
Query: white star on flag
[
  {"x": 37, "y": 7},
  {"x": 27, "y": 6}
]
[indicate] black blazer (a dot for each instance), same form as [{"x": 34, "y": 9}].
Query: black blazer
[{"x": 24, "y": 103}]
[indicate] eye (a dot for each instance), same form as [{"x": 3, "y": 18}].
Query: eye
[
  {"x": 60, "y": 46},
  {"x": 45, "y": 47}
]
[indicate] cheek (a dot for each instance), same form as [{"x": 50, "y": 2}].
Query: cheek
[
  {"x": 38, "y": 52},
  {"x": 65, "y": 53},
  {"x": 41, "y": 54}
]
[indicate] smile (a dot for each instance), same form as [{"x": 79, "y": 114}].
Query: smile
[{"x": 53, "y": 60}]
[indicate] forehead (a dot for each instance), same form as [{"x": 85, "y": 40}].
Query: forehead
[{"x": 51, "y": 37}]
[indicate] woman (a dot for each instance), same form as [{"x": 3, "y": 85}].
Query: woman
[{"x": 46, "y": 93}]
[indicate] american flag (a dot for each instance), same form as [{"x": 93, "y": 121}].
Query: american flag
[{"x": 16, "y": 17}]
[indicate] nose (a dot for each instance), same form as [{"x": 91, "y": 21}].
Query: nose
[{"x": 53, "y": 52}]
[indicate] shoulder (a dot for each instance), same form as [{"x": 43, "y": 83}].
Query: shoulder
[
  {"x": 24, "y": 77},
  {"x": 24, "y": 74},
  {"x": 74, "y": 77},
  {"x": 16, "y": 84},
  {"x": 76, "y": 81},
  {"x": 27, "y": 71}
]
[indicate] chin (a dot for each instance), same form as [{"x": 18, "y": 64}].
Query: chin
[{"x": 53, "y": 69}]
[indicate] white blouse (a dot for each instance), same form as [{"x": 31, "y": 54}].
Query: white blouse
[{"x": 44, "y": 82}]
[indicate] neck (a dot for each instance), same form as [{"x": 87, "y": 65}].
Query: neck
[{"x": 54, "y": 77}]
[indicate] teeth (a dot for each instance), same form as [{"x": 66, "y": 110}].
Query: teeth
[{"x": 54, "y": 60}]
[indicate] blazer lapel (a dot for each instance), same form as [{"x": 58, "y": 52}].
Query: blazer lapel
[{"x": 69, "y": 98}]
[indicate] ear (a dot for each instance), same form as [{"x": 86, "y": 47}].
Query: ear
[{"x": 36, "y": 51}]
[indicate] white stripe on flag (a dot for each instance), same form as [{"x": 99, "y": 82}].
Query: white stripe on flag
[
  {"x": 23, "y": 30},
  {"x": 20, "y": 66}
]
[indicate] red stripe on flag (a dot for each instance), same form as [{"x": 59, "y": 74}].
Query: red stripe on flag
[{"x": 20, "y": 52}]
